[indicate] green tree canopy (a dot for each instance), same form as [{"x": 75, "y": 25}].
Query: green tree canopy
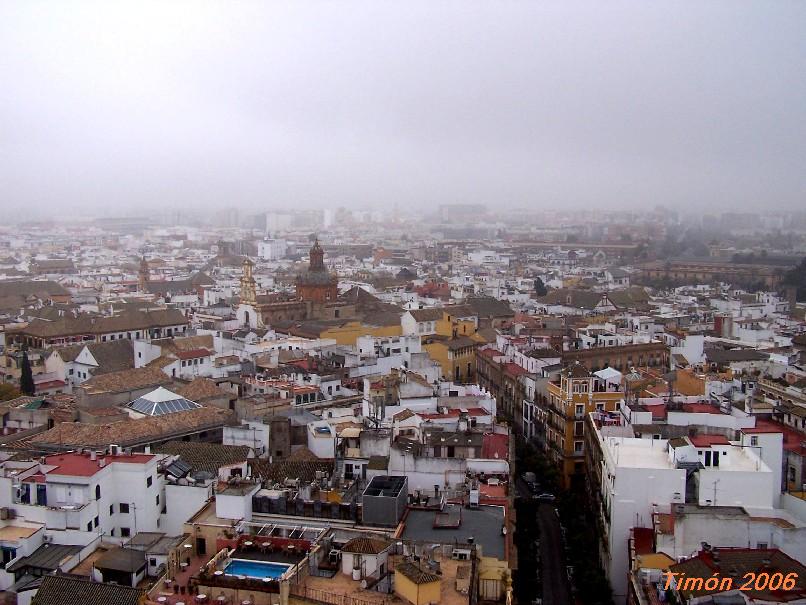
[{"x": 27, "y": 385}]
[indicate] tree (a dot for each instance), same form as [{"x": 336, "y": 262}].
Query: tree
[
  {"x": 27, "y": 376},
  {"x": 540, "y": 287},
  {"x": 797, "y": 278},
  {"x": 8, "y": 391}
]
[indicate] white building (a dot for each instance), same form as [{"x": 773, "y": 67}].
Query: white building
[
  {"x": 639, "y": 478},
  {"x": 82, "y": 496},
  {"x": 272, "y": 249}
]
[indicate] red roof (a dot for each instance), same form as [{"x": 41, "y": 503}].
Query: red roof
[
  {"x": 303, "y": 364},
  {"x": 495, "y": 445},
  {"x": 193, "y": 353},
  {"x": 763, "y": 427},
  {"x": 701, "y": 408},
  {"x": 708, "y": 440},
  {"x": 793, "y": 440},
  {"x": 80, "y": 465},
  {"x": 513, "y": 369},
  {"x": 493, "y": 494},
  {"x": 658, "y": 410},
  {"x": 48, "y": 384}
]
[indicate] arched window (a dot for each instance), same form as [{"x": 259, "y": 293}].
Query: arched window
[{"x": 97, "y": 492}]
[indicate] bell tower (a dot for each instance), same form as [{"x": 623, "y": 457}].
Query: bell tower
[
  {"x": 248, "y": 286},
  {"x": 317, "y": 257},
  {"x": 143, "y": 275}
]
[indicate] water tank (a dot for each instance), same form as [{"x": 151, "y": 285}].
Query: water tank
[{"x": 356, "y": 573}]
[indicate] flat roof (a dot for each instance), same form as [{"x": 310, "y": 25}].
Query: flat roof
[
  {"x": 17, "y": 532},
  {"x": 483, "y": 524},
  {"x": 632, "y": 452}
]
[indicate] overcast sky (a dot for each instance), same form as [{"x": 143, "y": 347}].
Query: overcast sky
[{"x": 303, "y": 104}]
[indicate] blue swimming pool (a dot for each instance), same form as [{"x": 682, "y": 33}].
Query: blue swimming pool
[{"x": 255, "y": 569}]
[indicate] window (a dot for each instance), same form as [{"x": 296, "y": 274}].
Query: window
[
  {"x": 97, "y": 492},
  {"x": 158, "y": 499},
  {"x": 578, "y": 445},
  {"x": 754, "y": 440},
  {"x": 761, "y": 545},
  {"x": 152, "y": 562},
  {"x": 708, "y": 458},
  {"x": 149, "y": 481},
  {"x": 125, "y": 532},
  {"x": 89, "y": 525},
  {"x": 95, "y": 522},
  {"x": 716, "y": 458},
  {"x": 579, "y": 410},
  {"x": 123, "y": 507},
  {"x": 112, "y": 532},
  {"x": 111, "y": 509}
]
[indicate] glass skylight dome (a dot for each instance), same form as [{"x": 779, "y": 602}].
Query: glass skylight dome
[{"x": 161, "y": 401}]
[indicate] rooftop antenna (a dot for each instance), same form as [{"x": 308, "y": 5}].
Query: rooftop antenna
[{"x": 670, "y": 378}]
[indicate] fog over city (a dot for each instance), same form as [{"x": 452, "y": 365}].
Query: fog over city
[{"x": 115, "y": 106}]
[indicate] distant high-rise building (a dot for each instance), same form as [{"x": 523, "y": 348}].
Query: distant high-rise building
[{"x": 278, "y": 221}]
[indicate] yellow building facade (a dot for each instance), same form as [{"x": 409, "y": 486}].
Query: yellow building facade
[
  {"x": 571, "y": 399},
  {"x": 348, "y": 333}
]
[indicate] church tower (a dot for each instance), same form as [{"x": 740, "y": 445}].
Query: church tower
[
  {"x": 317, "y": 257},
  {"x": 143, "y": 275},
  {"x": 248, "y": 286},
  {"x": 316, "y": 284}
]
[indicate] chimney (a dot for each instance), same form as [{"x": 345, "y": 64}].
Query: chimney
[
  {"x": 93, "y": 455},
  {"x": 102, "y": 462}
]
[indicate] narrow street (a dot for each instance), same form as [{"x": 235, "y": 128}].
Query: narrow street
[
  {"x": 539, "y": 522},
  {"x": 552, "y": 556}
]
